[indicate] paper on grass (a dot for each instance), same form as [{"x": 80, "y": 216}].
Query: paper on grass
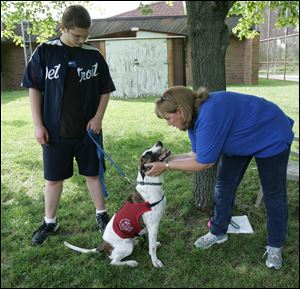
[{"x": 243, "y": 222}]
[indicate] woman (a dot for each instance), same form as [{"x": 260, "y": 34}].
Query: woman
[{"x": 230, "y": 129}]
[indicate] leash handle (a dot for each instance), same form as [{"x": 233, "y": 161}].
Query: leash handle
[{"x": 93, "y": 136}]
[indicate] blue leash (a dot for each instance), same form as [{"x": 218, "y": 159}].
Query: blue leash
[{"x": 97, "y": 139}]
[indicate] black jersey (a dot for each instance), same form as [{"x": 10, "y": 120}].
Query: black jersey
[{"x": 46, "y": 72}]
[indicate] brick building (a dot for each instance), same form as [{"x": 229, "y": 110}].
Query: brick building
[{"x": 168, "y": 22}]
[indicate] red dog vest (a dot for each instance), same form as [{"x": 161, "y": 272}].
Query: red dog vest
[{"x": 126, "y": 222}]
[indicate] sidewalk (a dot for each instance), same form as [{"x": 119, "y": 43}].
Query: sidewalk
[{"x": 280, "y": 77}]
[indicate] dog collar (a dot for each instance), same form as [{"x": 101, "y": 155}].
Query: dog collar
[
  {"x": 156, "y": 203},
  {"x": 149, "y": 184}
]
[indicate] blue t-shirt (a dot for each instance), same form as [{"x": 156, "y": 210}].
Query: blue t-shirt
[{"x": 239, "y": 125}]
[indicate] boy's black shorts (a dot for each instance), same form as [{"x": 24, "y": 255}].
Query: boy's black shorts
[{"x": 59, "y": 158}]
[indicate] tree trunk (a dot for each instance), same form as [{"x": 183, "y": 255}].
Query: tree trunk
[
  {"x": 209, "y": 38},
  {"x": 203, "y": 188}
]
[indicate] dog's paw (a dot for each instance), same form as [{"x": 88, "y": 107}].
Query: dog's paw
[
  {"x": 131, "y": 263},
  {"x": 157, "y": 263}
]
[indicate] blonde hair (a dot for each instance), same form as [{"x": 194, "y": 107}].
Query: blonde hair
[{"x": 187, "y": 99}]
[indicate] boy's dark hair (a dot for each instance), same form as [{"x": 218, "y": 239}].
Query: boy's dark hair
[{"x": 76, "y": 16}]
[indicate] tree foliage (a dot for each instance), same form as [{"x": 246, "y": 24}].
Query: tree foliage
[
  {"x": 252, "y": 13},
  {"x": 43, "y": 16}
]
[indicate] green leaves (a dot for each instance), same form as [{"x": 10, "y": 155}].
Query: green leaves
[
  {"x": 288, "y": 13},
  {"x": 43, "y": 16},
  {"x": 252, "y": 13}
]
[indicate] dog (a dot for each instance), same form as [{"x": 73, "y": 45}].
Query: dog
[{"x": 140, "y": 214}]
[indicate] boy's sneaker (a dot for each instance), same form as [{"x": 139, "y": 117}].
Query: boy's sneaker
[
  {"x": 102, "y": 220},
  {"x": 41, "y": 234},
  {"x": 274, "y": 258},
  {"x": 210, "y": 239}
]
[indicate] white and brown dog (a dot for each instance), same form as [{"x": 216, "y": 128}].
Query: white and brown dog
[{"x": 140, "y": 214}]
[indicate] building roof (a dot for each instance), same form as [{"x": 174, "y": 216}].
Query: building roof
[
  {"x": 102, "y": 28},
  {"x": 162, "y": 8},
  {"x": 165, "y": 18},
  {"x": 172, "y": 25}
]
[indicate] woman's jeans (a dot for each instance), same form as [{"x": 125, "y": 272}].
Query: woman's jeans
[{"x": 272, "y": 174}]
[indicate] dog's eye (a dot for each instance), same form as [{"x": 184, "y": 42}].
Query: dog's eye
[
  {"x": 147, "y": 154},
  {"x": 147, "y": 157}
]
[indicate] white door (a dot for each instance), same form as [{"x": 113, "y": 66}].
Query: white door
[{"x": 138, "y": 67}]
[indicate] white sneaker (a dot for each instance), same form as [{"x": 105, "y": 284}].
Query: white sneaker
[
  {"x": 210, "y": 239},
  {"x": 274, "y": 258}
]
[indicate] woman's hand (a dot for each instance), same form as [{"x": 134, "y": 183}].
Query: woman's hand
[{"x": 157, "y": 168}]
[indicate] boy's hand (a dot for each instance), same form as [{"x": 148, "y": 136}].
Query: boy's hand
[
  {"x": 95, "y": 125},
  {"x": 41, "y": 135}
]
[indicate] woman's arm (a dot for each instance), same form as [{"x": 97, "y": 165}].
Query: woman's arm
[
  {"x": 180, "y": 157},
  {"x": 179, "y": 163}
]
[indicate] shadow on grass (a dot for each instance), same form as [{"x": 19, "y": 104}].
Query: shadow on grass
[
  {"x": 15, "y": 123},
  {"x": 9, "y": 96}
]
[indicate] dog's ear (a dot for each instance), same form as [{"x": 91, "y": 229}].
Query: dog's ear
[
  {"x": 135, "y": 197},
  {"x": 142, "y": 168}
]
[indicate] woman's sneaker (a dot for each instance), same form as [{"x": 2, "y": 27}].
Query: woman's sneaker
[
  {"x": 274, "y": 259},
  {"x": 210, "y": 239},
  {"x": 102, "y": 220},
  {"x": 41, "y": 234}
]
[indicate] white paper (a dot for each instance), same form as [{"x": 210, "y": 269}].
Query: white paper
[{"x": 243, "y": 222}]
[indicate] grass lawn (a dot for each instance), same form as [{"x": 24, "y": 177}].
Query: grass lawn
[{"x": 129, "y": 127}]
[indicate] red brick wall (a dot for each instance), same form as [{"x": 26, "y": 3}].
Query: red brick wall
[
  {"x": 234, "y": 61},
  {"x": 12, "y": 66},
  {"x": 241, "y": 62},
  {"x": 251, "y": 60}
]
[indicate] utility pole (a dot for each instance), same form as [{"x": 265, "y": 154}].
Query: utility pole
[
  {"x": 25, "y": 26},
  {"x": 26, "y": 40}
]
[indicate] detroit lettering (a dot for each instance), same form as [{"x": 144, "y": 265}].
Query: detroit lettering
[{"x": 53, "y": 73}]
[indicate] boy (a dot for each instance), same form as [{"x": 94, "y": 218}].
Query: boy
[{"x": 69, "y": 85}]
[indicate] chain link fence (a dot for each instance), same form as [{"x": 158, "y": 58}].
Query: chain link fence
[{"x": 278, "y": 50}]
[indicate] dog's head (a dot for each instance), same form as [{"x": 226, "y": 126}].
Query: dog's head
[{"x": 157, "y": 153}]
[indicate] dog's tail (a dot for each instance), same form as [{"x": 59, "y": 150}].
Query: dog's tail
[{"x": 81, "y": 250}]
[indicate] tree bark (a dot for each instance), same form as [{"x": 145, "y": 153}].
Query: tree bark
[
  {"x": 209, "y": 38},
  {"x": 203, "y": 188}
]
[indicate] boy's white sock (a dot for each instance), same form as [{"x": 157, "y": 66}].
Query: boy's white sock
[
  {"x": 100, "y": 211},
  {"x": 50, "y": 221}
]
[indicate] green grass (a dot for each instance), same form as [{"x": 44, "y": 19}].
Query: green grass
[{"x": 129, "y": 127}]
